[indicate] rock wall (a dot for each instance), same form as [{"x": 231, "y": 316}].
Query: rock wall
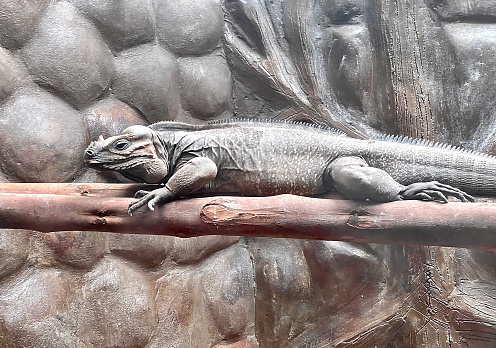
[{"x": 71, "y": 70}]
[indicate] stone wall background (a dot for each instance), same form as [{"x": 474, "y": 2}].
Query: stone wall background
[{"x": 72, "y": 70}]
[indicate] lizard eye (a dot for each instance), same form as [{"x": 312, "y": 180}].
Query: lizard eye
[{"x": 121, "y": 145}]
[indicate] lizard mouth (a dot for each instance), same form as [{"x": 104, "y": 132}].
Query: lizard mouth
[
  {"x": 95, "y": 163},
  {"x": 92, "y": 163},
  {"x": 114, "y": 164}
]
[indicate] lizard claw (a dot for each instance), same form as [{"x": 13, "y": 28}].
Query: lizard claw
[
  {"x": 149, "y": 198},
  {"x": 434, "y": 191}
]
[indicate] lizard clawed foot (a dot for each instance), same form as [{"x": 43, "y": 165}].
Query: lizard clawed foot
[
  {"x": 150, "y": 198},
  {"x": 434, "y": 191}
]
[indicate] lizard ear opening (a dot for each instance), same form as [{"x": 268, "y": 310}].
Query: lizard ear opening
[
  {"x": 162, "y": 153},
  {"x": 159, "y": 148}
]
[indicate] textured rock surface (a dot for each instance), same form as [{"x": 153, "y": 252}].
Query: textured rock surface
[
  {"x": 68, "y": 55},
  {"x": 205, "y": 85},
  {"x": 189, "y": 27},
  {"x": 146, "y": 78},
  {"x": 109, "y": 117},
  {"x": 122, "y": 23},
  {"x": 14, "y": 250},
  {"x": 118, "y": 312},
  {"x": 31, "y": 307},
  {"x": 76, "y": 249},
  {"x": 208, "y": 308},
  {"x": 41, "y": 137},
  {"x": 19, "y": 21},
  {"x": 11, "y": 74},
  {"x": 73, "y": 70}
]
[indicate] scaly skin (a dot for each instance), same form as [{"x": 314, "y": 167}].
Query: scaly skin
[{"x": 269, "y": 158}]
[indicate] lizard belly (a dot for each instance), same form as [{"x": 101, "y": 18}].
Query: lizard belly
[
  {"x": 264, "y": 162},
  {"x": 267, "y": 183}
]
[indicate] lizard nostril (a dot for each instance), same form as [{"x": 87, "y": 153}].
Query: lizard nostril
[{"x": 89, "y": 152}]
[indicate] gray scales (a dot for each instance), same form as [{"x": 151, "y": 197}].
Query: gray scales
[{"x": 263, "y": 158}]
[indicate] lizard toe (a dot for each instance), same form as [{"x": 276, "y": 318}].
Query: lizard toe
[
  {"x": 434, "y": 191},
  {"x": 141, "y": 194}
]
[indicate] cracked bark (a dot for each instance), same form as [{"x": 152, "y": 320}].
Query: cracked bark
[{"x": 103, "y": 207}]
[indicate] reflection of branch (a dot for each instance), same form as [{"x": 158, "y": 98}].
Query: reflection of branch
[{"x": 96, "y": 207}]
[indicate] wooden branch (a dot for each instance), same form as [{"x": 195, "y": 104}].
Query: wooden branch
[
  {"x": 78, "y": 189},
  {"x": 77, "y": 207}
]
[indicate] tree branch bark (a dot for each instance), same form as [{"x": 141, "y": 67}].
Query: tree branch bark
[{"x": 103, "y": 207}]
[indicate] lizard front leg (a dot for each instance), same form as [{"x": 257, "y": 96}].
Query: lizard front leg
[
  {"x": 188, "y": 178},
  {"x": 353, "y": 177}
]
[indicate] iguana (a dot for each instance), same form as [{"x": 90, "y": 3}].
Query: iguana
[{"x": 269, "y": 158}]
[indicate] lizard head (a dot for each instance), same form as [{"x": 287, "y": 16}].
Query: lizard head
[{"x": 137, "y": 154}]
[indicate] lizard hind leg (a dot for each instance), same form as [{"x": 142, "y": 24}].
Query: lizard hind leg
[{"x": 355, "y": 179}]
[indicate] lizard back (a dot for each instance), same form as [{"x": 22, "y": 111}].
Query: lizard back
[{"x": 267, "y": 157}]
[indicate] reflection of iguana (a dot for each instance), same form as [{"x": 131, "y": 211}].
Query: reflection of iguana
[{"x": 269, "y": 158}]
